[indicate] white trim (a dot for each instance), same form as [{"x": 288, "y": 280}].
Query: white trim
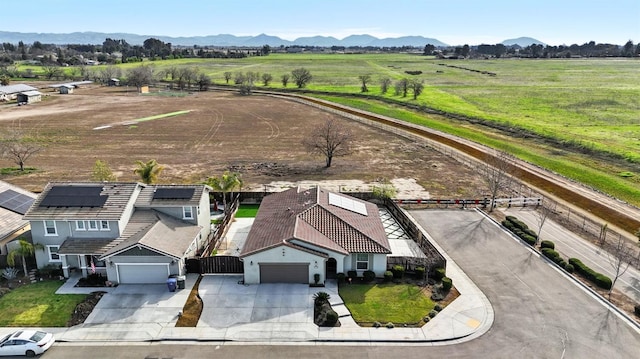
[
  {"x": 46, "y": 229},
  {"x": 84, "y": 226},
  {"x": 95, "y": 222},
  {"x": 140, "y": 264},
  {"x": 184, "y": 212},
  {"x": 108, "y": 228},
  {"x": 56, "y": 253},
  {"x": 361, "y": 261}
]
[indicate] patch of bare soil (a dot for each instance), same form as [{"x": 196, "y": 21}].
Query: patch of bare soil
[{"x": 85, "y": 308}]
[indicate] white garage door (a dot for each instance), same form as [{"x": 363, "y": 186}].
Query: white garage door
[{"x": 143, "y": 273}]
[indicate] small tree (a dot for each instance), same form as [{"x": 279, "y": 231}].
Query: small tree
[
  {"x": 140, "y": 76},
  {"x": 402, "y": 87},
  {"x": 227, "y": 77},
  {"x": 384, "y": 85},
  {"x": 542, "y": 213},
  {"x": 18, "y": 147},
  {"x": 148, "y": 171},
  {"x": 228, "y": 182},
  {"x": 203, "y": 82},
  {"x": 301, "y": 77},
  {"x": 620, "y": 256},
  {"x": 266, "y": 79},
  {"x": 26, "y": 249},
  {"x": 384, "y": 189},
  {"x": 329, "y": 140},
  {"x": 102, "y": 172},
  {"x": 495, "y": 173},
  {"x": 5, "y": 80},
  {"x": 364, "y": 80},
  {"x": 416, "y": 87},
  {"x": 285, "y": 80}
]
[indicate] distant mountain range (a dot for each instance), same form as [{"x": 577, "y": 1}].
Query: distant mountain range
[
  {"x": 232, "y": 40},
  {"x": 522, "y": 41}
]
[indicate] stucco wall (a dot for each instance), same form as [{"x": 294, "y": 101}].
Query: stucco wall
[{"x": 282, "y": 254}]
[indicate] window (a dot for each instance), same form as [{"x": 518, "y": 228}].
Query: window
[
  {"x": 93, "y": 225},
  {"x": 187, "y": 212},
  {"x": 80, "y": 226},
  {"x": 362, "y": 261},
  {"x": 50, "y": 228},
  {"x": 53, "y": 253},
  {"x": 104, "y": 225}
]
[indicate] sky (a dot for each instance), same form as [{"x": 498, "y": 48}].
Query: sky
[{"x": 472, "y": 22}]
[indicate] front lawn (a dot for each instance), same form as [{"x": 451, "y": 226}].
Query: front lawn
[
  {"x": 395, "y": 303},
  {"x": 37, "y": 305},
  {"x": 247, "y": 210}
]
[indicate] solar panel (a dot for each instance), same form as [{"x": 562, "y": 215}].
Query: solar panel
[
  {"x": 74, "y": 196},
  {"x": 347, "y": 203},
  {"x": 14, "y": 201},
  {"x": 173, "y": 193}
]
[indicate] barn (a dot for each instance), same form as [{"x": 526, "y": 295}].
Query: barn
[{"x": 29, "y": 97}]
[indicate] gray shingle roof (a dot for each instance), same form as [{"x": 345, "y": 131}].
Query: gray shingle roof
[
  {"x": 11, "y": 221},
  {"x": 120, "y": 195},
  {"x": 146, "y": 200},
  {"x": 306, "y": 216}
]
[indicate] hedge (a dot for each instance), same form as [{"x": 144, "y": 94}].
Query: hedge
[
  {"x": 439, "y": 273},
  {"x": 521, "y": 230},
  {"x": 554, "y": 256},
  {"x": 598, "y": 279},
  {"x": 447, "y": 283},
  {"x": 547, "y": 244}
]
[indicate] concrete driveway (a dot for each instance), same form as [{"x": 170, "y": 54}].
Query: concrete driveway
[
  {"x": 141, "y": 303},
  {"x": 227, "y": 303}
]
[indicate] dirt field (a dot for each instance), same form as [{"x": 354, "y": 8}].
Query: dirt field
[{"x": 257, "y": 136}]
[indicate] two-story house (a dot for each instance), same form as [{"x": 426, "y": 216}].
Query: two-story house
[{"x": 133, "y": 233}]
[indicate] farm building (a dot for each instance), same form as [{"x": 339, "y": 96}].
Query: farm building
[
  {"x": 65, "y": 89},
  {"x": 10, "y": 92},
  {"x": 144, "y": 89},
  {"x": 29, "y": 97},
  {"x": 113, "y": 82}
]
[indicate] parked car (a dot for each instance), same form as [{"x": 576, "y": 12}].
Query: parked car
[{"x": 26, "y": 342}]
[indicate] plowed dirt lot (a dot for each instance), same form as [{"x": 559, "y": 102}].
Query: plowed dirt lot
[{"x": 258, "y": 136}]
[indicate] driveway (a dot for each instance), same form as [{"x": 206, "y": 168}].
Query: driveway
[
  {"x": 140, "y": 304},
  {"x": 227, "y": 303}
]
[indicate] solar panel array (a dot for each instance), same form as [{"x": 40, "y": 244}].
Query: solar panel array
[
  {"x": 173, "y": 193},
  {"x": 16, "y": 202},
  {"x": 347, "y": 203},
  {"x": 74, "y": 196}
]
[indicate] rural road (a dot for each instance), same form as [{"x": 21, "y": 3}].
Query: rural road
[{"x": 571, "y": 245}]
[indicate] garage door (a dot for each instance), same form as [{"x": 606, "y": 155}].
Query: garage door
[
  {"x": 143, "y": 273},
  {"x": 284, "y": 273}
]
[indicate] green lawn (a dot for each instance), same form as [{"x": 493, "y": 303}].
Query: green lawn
[
  {"x": 37, "y": 305},
  {"x": 395, "y": 303},
  {"x": 247, "y": 211}
]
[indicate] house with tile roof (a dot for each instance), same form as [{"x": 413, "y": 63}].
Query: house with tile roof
[
  {"x": 300, "y": 233},
  {"x": 130, "y": 232}
]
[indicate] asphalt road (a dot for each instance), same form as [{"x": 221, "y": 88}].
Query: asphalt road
[
  {"x": 539, "y": 313},
  {"x": 571, "y": 245}
]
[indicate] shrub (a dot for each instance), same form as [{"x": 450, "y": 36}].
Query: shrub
[
  {"x": 439, "y": 273},
  {"x": 529, "y": 239},
  {"x": 398, "y": 271},
  {"x": 388, "y": 276},
  {"x": 352, "y": 274},
  {"x": 369, "y": 276},
  {"x": 419, "y": 273},
  {"x": 426, "y": 319},
  {"x": 433, "y": 313},
  {"x": 547, "y": 244},
  {"x": 320, "y": 298},
  {"x": 569, "y": 268},
  {"x": 437, "y": 296},
  {"x": 390, "y": 325},
  {"x": 50, "y": 271},
  {"x": 340, "y": 277},
  {"x": 437, "y": 308},
  {"x": 377, "y": 324},
  {"x": 316, "y": 278},
  {"x": 636, "y": 309},
  {"x": 447, "y": 283},
  {"x": 530, "y": 232},
  {"x": 332, "y": 318},
  {"x": 598, "y": 279},
  {"x": 4, "y": 291}
]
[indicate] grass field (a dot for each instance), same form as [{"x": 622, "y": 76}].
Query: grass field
[
  {"x": 37, "y": 305},
  {"x": 247, "y": 211}
]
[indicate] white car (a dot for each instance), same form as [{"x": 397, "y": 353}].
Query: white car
[{"x": 26, "y": 342}]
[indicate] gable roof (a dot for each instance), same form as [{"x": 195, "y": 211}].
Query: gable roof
[
  {"x": 306, "y": 216},
  {"x": 118, "y": 196},
  {"x": 17, "y": 88},
  {"x": 10, "y": 219},
  {"x": 148, "y": 196}
]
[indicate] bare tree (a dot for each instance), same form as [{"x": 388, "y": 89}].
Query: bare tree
[
  {"x": 329, "y": 140},
  {"x": 18, "y": 147},
  {"x": 364, "y": 79},
  {"x": 266, "y": 78},
  {"x": 285, "y": 80},
  {"x": 384, "y": 85},
  {"x": 542, "y": 213},
  {"x": 301, "y": 77},
  {"x": 416, "y": 87},
  {"x": 402, "y": 87},
  {"x": 495, "y": 173},
  {"x": 620, "y": 256},
  {"x": 239, "y": 78},
  {"x": 203, "y": 82},
  {"x": 52, "y": 70},
  {"x": 140, "y": 76},
  {"x": 110, "y": 72},
  {"x": 227, "y": 76}
]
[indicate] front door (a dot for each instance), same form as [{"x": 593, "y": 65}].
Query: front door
[{"x": 331, "y": 269}]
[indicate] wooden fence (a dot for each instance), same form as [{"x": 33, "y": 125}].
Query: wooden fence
[{"x": 215, "y": 265}]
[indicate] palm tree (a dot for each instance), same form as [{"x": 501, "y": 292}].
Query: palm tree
[
  {"x": 228, "y": 182},
  {"x": 148, "y": 171},
  {"x": 26, "y": 249}
]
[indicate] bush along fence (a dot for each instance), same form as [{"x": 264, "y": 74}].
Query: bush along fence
[{"x": 547, "y": 248}]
